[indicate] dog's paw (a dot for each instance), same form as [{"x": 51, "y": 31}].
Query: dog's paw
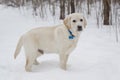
[
  {"x": 28, "y": 70},
  {"x": 36, "y": 62},
  {"x": 64, "y": 68}
]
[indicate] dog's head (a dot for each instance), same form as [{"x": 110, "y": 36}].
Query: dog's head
[{"x": 75, "y": 22}]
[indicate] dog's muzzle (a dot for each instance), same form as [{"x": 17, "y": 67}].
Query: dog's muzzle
[{"x": 79, "y": 28}]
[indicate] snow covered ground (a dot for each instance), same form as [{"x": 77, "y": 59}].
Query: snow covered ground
[{"x": 97, "y": 56}]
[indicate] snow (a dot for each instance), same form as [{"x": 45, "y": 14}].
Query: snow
[{"x": 97, "y": 56}]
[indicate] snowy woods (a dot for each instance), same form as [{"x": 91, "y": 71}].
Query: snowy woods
[
  {"x": 103, "y": 8},
  {"x": 106, "y": 12}
]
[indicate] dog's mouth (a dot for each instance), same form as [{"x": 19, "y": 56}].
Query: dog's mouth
[{"x": 79, "y": 28}]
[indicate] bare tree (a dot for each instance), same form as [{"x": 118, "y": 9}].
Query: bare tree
[
  {"x": 53, "y": 7},
  {"x": 88, "y": 7},
  {"x": 68, "y": 6},
  {"x": 72, "y": 6},
  {"x": 106, "y": 11},
  {"x": 62, "y": 9}
]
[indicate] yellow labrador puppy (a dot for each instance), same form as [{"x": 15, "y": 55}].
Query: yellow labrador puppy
[{"x": 61, "y": 39}]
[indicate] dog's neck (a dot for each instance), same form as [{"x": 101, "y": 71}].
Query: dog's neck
[{"x": 71, "y": 36}]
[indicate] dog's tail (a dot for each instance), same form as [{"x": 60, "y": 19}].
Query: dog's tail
[{"x": 18, "y": 48}]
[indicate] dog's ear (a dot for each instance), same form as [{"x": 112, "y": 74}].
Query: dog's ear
[
  {"x": 67, "y": 22},
  {"x": 85, "y": 22}
]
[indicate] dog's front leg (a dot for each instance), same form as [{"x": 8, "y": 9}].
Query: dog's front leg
[
  {"x": 63, "y": 61},
  {"x": 64, "y": 57}
]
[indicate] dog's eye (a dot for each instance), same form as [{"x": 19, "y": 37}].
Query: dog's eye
[
  {"x": 74, "y": 20},
  {"x": 81, "y": 20}
]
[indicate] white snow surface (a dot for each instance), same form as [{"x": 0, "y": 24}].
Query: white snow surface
[{"x": 96, "y": 57}]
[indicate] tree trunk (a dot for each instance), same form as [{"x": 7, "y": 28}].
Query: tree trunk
[
  {"x": 68, "y": 6},
  {"x": 62, "y": 9},
  {"x": 88, "y": 7},
  {"x": 72, "y": 6},
  {"x": 53, "y": 8},
  {"x": 106, "y": 10}
]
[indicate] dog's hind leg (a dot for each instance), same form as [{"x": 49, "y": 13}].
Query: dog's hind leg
[
  {"x": 30, "y": 58},
  {"x": 36, "y": 62},
  {"x": 29, "y": 62},
  {"x": 39, "y": 53}
]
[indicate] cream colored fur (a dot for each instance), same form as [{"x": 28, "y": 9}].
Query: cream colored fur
[{"x": 51, "y": 40}]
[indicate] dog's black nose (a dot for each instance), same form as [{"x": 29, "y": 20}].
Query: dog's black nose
[{"x": 79, "y": 28}]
